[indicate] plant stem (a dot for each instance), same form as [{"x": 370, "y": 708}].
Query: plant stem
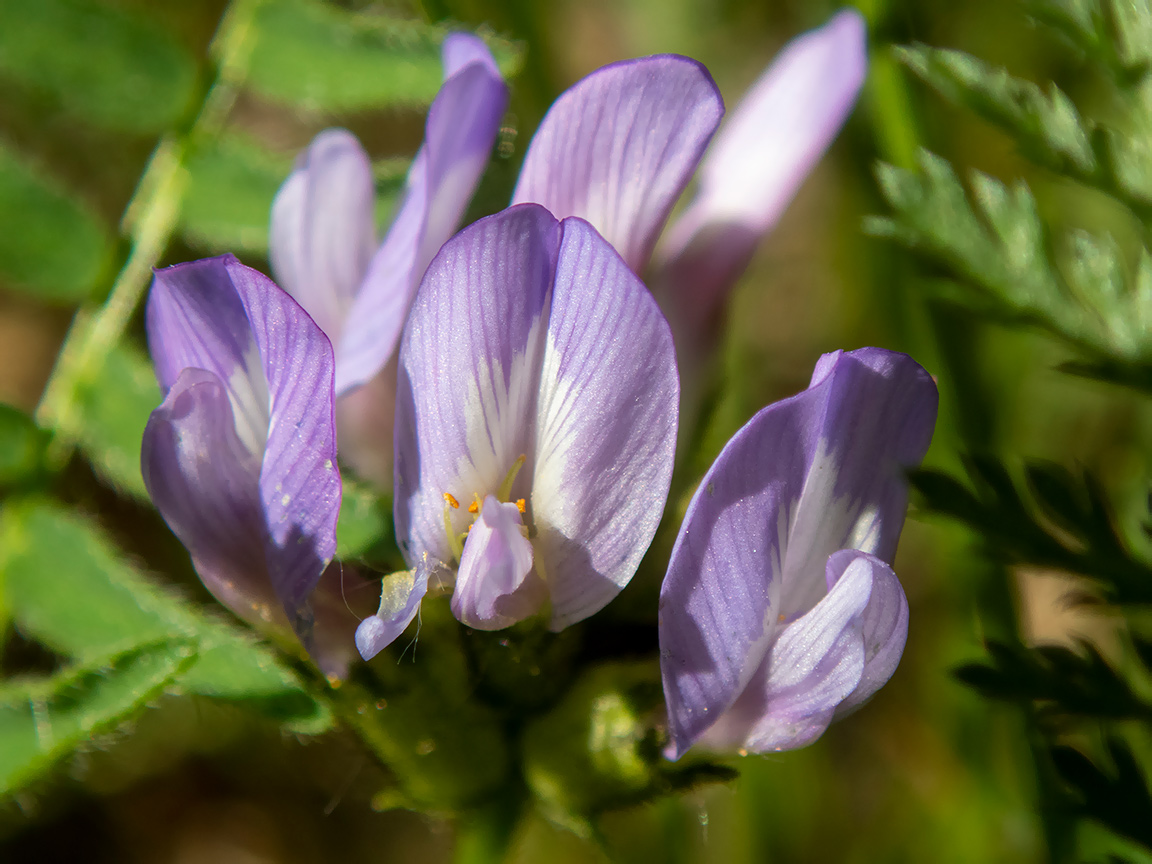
[{"x": 149, "y": 222}]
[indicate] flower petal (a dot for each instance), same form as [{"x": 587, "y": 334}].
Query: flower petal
[
  {"x": 234, "y": 322},
  {"x": 196, "y": 320},
  {"x": 618, "y": 148},
  {"x": 815, "y": 663},
  {"x": 806, "y": 477},
  {"x": 495, "y": 586},
  {"x": 607, "y": 435},
  {"x": 461, "y": 129},
  {"x": 885, "y": 627},
  {"x": 323, "y": 233},
  {"x": 206, "y": 485},
  {"x": 776, "y": 135},
  {"x": 469, "y": 372},
  {"x": 400, "y": 596}
]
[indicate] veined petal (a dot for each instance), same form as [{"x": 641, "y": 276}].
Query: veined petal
[
  {"x": 400, "y": 596},
  {"x": 806, "y": 477},
  {"x": 885, "y": 630},
  {"x": 815, "y": 662},
  {"x": 777, "y": 133},
  {"x": 495, "y": 585},
  {"x": 461, "y": 129},
  {"x": 607, "y": 431},
  {"x": 235, "y": 323},
  {"x": 618, "y": 148},
  {"x": 469, "y": 373},
  {"x": 322, "y": 233},
  {"x": 196, "y": 320},
  {"x": 206, "y": 485}
]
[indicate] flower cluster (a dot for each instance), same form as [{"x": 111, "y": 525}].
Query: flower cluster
[{"x": 519, "y": 383}]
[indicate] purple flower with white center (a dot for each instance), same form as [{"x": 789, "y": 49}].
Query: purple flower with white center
[
  {"x": 240, "y": 458},
  {"x": 779, "y": 611},
  {"x": 619, "y": 147},
  {"x": 535, "y": 426},
  {"x": 323, "y": 240}
]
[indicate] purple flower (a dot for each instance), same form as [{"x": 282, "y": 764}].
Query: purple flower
[
  {"x": 535, "y": 426},
  {"x": 779, "y": 611},
  {"x": 323, "y": 241},
  {"x": 619, "y": 147},
  {"x": 240, "y": 458}
]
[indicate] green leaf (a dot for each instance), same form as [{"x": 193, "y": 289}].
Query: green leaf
[
  {"x": 69, "y": 589},
  {"x": 233, "y": 183},
  {"x": 999, "y": 246},
  {"x": 230, "y": 191},
  {"x": 1116, "y": 34},
  {"x": 43, "y": 720},
  {"x": 364, "y": 521},
  {"x": 50, "y": 246},
  {"x": 114, "y": 409},
  {"x": 21, "y": 446},
  {"x": 101, "y": 63},
  {"x": 323, "y": 58},
  {"x": 1046, "y": 125}
]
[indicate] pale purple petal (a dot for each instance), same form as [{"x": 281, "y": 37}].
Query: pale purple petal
[
  {"x": 469, "y": 373},
  {"x": 462, "y": 49},
  {"x": 323, "y": 233},
  {"x": 618, "y": 148},
  {"x": 806, "y": 477},
  {"x": 778, "y": 132},
  {"x": 885, "y": 627},
  {"x": 274, "y": 363},
  {"x": 400, "y": 597},
  {"x": 495, "y": 585},
  {"x": 607, "y": 433},
  {"x": 461, "y": 129},
  {"x": 206, "y": 485},
  {"x": 814, "y": 663}
]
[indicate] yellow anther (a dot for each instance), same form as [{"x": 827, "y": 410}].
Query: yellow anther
[
  {"x": 474, "y": 507},
  {"x": 521, "y": 505},
  {"x": 452, "y": 502},
  {"x": 781, "y": 619}
]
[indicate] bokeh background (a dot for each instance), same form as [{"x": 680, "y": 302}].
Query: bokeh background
[{"x": 928, "y": 771}]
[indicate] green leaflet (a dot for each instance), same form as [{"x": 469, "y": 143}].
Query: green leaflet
[
  {"x": 36, "y": 214},
  {"x": 999, "y": 245},
  {"x": 1046, "y": 124},
  {"x": 99, "y": 62},
  {"x": 230, "y": 191},
  {"x": 322, "y": 58},
  {"x": 114, "y": 409},
  {"x": 68, "y": 588},
  {"x": 43, "y": 720},
  {"x": 21, "y": 446},
  {"x": 232, "y": 184},
  {"x": 364, "y": 521}
]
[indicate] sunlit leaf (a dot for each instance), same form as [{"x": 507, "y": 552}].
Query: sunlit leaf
[
  {"x": 323, "y": 58},
  {"x": 98, "y": 61},
  {"x": 51, "y": 246},
  {"x": 44, "y": 720},
  {"x": 71, "y": 590}
]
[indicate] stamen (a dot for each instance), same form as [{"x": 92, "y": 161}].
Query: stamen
[
  {"x": 452, "y": 502},
  {"x": 474, "y": 507},
  {"x": 521, "y": 505},
  {"x": 454, "y": 542},
  {"x": 505, "y": 490}
]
